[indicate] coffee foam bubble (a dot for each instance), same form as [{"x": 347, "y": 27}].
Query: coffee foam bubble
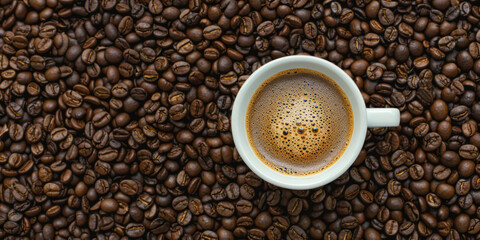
[{"x": 299, "y": 123}]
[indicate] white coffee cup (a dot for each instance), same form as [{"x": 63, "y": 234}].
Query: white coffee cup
[{"x": 362, "y": 118}]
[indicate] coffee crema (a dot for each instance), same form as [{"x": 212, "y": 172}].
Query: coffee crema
[{"x": 299, "y": 122}]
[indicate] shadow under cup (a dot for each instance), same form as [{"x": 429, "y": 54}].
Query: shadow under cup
[{"x": 239, "y": 129}]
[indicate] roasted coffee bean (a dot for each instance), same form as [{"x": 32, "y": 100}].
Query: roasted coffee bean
[
  {"x": 296, "y": 232},
  {"x": 212, "y": 32},
  {"x": 468, "y": 151},
  {"x": 72, "y": 98},
  {"x": 459, "y": 113},
  {"x": 265, "y": 28},
  {"x": 356, "y": 45},
  {"x": 391, "y": 227},
  {"x": 295, "y": 206},
  {"x": 431, "y": 141},
  {"x": 441, "y": 172},
  {"x": 446, "y": 43},
  {"x": 135, "y": 230},
  {"x": 177, "y": 112},
  {"x": 181, "y": 68},
  {"x": 116, "y": 107},
  {"x": 20, "y": 192},
  {"x": 386, "y": 16},
  {"x": 128, "y": 187},
  {"x": 225, "y": 209},
  {"x": 243, "y": 206}
]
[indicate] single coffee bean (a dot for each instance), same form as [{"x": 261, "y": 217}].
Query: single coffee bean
[
  {"x": 296, "y": 232},
  {"x": 129, "y": 187},
  {"x": 468, "y": 151},
  {"x": 212, "y": 32},
  {"x": 135, "y": 230}
]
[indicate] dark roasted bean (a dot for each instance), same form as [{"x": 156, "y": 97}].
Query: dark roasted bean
[{"x": 115, "y": 119}]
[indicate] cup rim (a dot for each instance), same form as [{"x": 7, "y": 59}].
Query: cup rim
[{"x": 239, "y": 128}]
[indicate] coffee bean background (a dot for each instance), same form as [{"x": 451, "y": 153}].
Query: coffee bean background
[{"x": 115, "y": 119}]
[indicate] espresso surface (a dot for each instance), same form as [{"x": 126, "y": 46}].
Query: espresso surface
[{"x": 299, "y": 122}]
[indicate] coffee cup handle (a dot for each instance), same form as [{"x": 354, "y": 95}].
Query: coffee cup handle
[{"x": 383, "y": 117}]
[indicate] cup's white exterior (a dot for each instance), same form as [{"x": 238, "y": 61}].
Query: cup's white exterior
[{"x": 378, "y": 117}]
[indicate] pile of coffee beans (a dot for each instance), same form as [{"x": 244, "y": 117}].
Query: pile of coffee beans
[{"x": 115, "y": 119}]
